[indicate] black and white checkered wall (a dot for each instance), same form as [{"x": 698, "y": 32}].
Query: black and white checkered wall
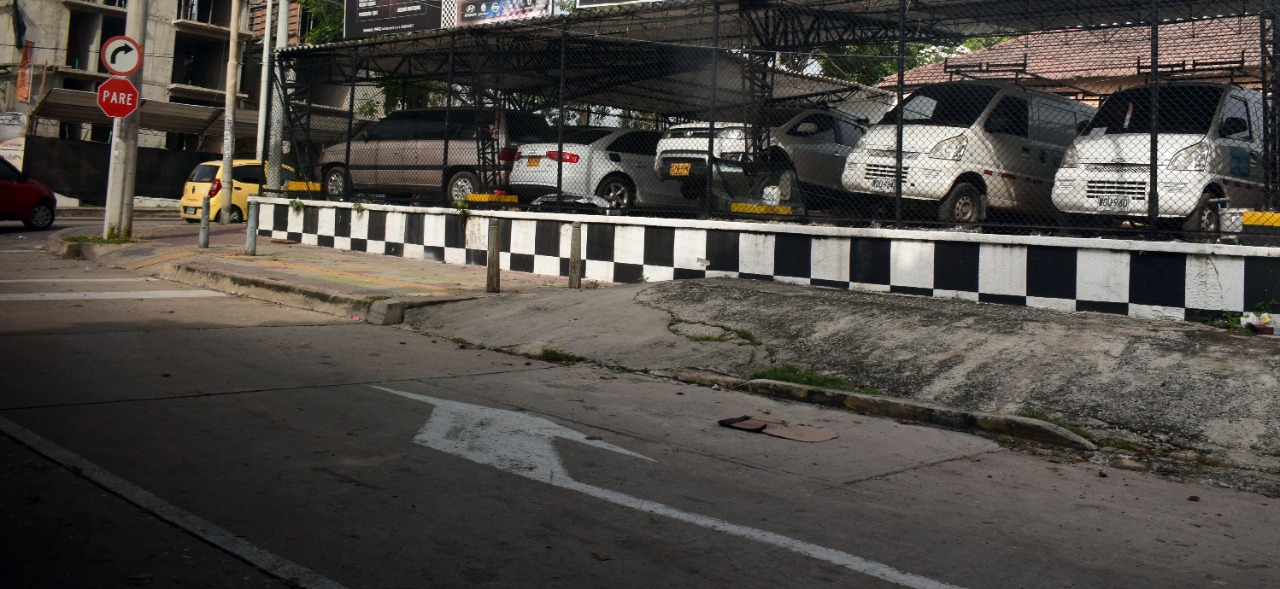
[{"x": 1139, "y": 279}]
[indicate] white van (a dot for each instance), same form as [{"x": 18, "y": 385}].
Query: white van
[
  {"x": 1210, "y": 152},
  {"x": 971, "y": 145}
]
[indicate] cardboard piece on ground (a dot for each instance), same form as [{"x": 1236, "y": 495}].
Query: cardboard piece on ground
[{"x": 779, "y": 429}]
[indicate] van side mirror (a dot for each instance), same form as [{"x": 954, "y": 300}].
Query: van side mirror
[{"x": 1233, "y": 126}]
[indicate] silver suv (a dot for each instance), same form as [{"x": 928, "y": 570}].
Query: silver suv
[
  {"x": 815, "y": 142},
  {"x": 412, "y": 152}
]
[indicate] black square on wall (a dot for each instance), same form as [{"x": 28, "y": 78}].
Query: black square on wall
[
  {"x": 955, "y": 266},
  {"x": 1262, "y": 284},
  {"x": 377, "y": 225},
  {"x": 722, "y": 250},
  {"x": 792, "y": 255},
  {"x": 342, "y": 222},
  {"x": 311, "y": 220},
  {"x": 279, "y": 217},
  {"x": 1158, "y": 278},
  {"x": 660, "y": 246},
  {"x": 600, "y": 242},
  {"x": 522, "y": 263},
  {"x": 1051, "y": 272},
  {"x": 869, "y": 259},
  {"x": 546, "y": 238},
  {"x": 415, "y": 228},
  {"x": 455, "y": 234}
]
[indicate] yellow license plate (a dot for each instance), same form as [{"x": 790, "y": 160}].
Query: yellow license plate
[
  {"x": 680, "y": 169},
  {"x": 534, "y": 162}
]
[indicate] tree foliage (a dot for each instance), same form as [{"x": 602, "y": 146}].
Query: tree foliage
[
  {"x": 872, "y": 63},
  {"x": 326, "y": 20}
]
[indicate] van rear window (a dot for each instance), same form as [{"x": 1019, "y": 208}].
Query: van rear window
[{"x": 203, "y": 173}]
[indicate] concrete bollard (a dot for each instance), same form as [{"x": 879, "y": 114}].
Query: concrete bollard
[
  {"x": 251, "y": 230},
  {"x": 204, "y": 223},
  {"x": 493, "y": 282},
  {"x": 575, "y": 256}
]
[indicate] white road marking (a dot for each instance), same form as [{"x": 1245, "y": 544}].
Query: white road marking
[
  {"x": 18, "y": 251},
  {"x": 524, "y": 444},
  {"x": 91, "y": 296},
  {"x": 50, "y": 280},
  {"x": 240, "y": 548}
]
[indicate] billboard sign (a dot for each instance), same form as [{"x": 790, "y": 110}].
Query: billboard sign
[
  {"x": 477, "y": 12},
  {"x": 595, "y": 3},
  {"x": 370, "y": 18}
]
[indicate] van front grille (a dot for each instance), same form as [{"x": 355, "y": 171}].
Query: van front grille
[
  {"x": 1097, "y": 188},
  {"x": 883, "y": 171},
  {"x": 1119, "y": 168},
  {"x": 891, "y": 154}
]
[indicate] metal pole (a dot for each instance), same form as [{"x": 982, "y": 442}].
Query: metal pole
[
  {"x": 711, "y": 112},
  {"x": 136, "y": 29},
  {"x": 204, "y": 222},
  {"x": 115, "y": 184},
  {"x": 448, "y": 112},
  {"x": 229, "y": 113},
  {"x": 897, "y": 152},
  {"x": 251, "y": 230},
  {"x": 575, "y": 256},
  {"x": 1153, "y": 198},
  {"x": 263, "y": 86},
  {"x": 564, "y": 56},
  {"x": 275, "y": 155},
  {"x": 493, "y": 261}
]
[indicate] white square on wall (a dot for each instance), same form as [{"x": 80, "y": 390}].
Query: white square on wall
[
  {"x": 523, "y": 236},
  {"x": 829, "y": 258},
  {"x": 327, "y": 224},
  {"x": 359, "y": 225},
  {"x": 911, "y": 264},
  {"x": 394, "y": 228},
  {"x": 1002, "y": 269},
  {"x": 1215, "y": 283},
  {"x": 1102, "y": 276},
  {"x": 628, "y": 244},
  {"x": 755, "y": 253},
  {"x": 691, "y": 249}
]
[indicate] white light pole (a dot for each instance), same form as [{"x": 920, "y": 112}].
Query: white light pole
[
  {"x": 229, "y": 114},
  {"x": 263, "y": 84}
]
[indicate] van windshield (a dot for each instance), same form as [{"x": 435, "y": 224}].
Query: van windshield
[
  {"x": 1183, "y": 109},
  {"x": 948, "y": 105}
]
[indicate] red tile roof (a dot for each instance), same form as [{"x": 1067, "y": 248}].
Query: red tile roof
[{"x": 1075, "y": 55}]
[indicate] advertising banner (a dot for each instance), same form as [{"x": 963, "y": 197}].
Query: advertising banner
[
  {"x": 370, "y": 18},
  {"x": 595, "y": 3},
  {"x": 475, "y": 12},
  {"x": 24, "y": 72},
  {"x": 13, "y": 135}
]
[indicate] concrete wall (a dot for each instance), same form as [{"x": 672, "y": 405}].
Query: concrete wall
[
  {"x": 79, "y": 168},
  {"x": 1155, "y": 280}
]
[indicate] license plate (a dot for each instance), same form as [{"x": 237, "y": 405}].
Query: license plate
[
  {"x": 1113, "y": 204},
  {"x": 534, "y": 162},
  {"x": 882, "y": 184},
  {"x": 189, "y": 210},
  {"x": 680, "y": 169}
]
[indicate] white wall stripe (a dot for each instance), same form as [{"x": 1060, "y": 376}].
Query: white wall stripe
[{"x": 91, "y": 296}]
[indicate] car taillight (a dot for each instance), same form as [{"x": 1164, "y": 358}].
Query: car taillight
[
  {"x": 215, "y": 187},
  {"x": 562, "y": 156},
  {"x": 508, "y": 154}
]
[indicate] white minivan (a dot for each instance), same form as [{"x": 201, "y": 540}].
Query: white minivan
[
  {"x": 970, "y": 146},
  {"x": 1209, "y": 156}
]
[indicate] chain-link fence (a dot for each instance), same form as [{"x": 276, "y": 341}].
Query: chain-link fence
[{"x": 1051, "y": 121}]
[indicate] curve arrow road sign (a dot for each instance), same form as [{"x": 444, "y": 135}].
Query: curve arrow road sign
[
  {"x": 121, "y": 55},
  {"x": 523, "y": 444}
]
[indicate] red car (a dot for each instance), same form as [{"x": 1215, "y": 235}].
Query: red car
[{"x": 24, "y": 199}]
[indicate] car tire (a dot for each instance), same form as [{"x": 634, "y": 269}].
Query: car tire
[
  {"x": 41, "y": 216},
  {"x": 964, "y": 204},
  {"x": 1205, "y": 222},
  {"x": 337, "y": 184},
  {"x": 619, "y": 190},
  {"x": 459, "y": 186},
  {"x": 236, "y": 215}
]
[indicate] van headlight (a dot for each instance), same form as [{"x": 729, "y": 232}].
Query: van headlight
[
  {"x": 1070, "y": 157},
  {"x": 1191, "y": 159},
  {"x": 731, "y": 133},
  {"x": 950, "y": 149}
]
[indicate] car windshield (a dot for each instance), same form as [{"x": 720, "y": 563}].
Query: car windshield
[
  {"x": 203, "y": 173},
  {"x": 1183, "y": 109},
  {"x": 948, "y": 105}
]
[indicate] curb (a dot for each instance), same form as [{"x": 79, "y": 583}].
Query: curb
[
  {"x": 270, "y": 290},
  {"x": 91, "y": 212},
  {"x": 1011, "y": 425}
]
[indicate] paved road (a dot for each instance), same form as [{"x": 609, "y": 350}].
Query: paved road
[{"x": 336, "y": 453}]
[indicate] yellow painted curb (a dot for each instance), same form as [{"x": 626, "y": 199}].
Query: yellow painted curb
[
  {"x": 506, "y": 198},
  {"x": 1259, "y": 219},
  {"x": 750, "y": 209}
]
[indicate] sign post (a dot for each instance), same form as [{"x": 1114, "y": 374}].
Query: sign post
[{"x": 119, "y": 97}]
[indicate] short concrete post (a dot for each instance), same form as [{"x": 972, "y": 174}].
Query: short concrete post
[
  {"x": 204, "y": 223},
  {"x": 575, "y": 256},
  {"x": 493, "y": 283},
  {"x": 251, "y": 230}
]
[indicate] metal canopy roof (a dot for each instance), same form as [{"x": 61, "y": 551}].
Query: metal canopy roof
[{"x": 657, "y": 57}]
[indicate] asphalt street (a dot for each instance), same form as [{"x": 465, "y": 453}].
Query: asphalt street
[{"x": 164, "y": 435}]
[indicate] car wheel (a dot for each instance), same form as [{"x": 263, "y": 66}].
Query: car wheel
[
  {"x": 964, "y": 204},
  {"x": 619, "y": 191},
  {"x": 337, "y": 185},
  {"x": 41, "y": 216},
  {"x": 460, "y": 185},
  {"x": 1205, "y": 221},
  {"x": 236, "y": 215}
]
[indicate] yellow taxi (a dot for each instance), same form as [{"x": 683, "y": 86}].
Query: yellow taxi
[{"x": 247, "y": 177}]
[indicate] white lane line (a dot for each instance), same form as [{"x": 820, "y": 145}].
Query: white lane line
[
  {"x": 18, "y": 251},
  {"x": 238, "y": 547},
  {"x": 524, "y": 444},
  {"x": 53, "y": 280},
  {"x": 91, "y": 296}
]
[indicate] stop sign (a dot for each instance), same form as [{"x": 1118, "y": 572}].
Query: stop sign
[{"x": 117, "y": 98}]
